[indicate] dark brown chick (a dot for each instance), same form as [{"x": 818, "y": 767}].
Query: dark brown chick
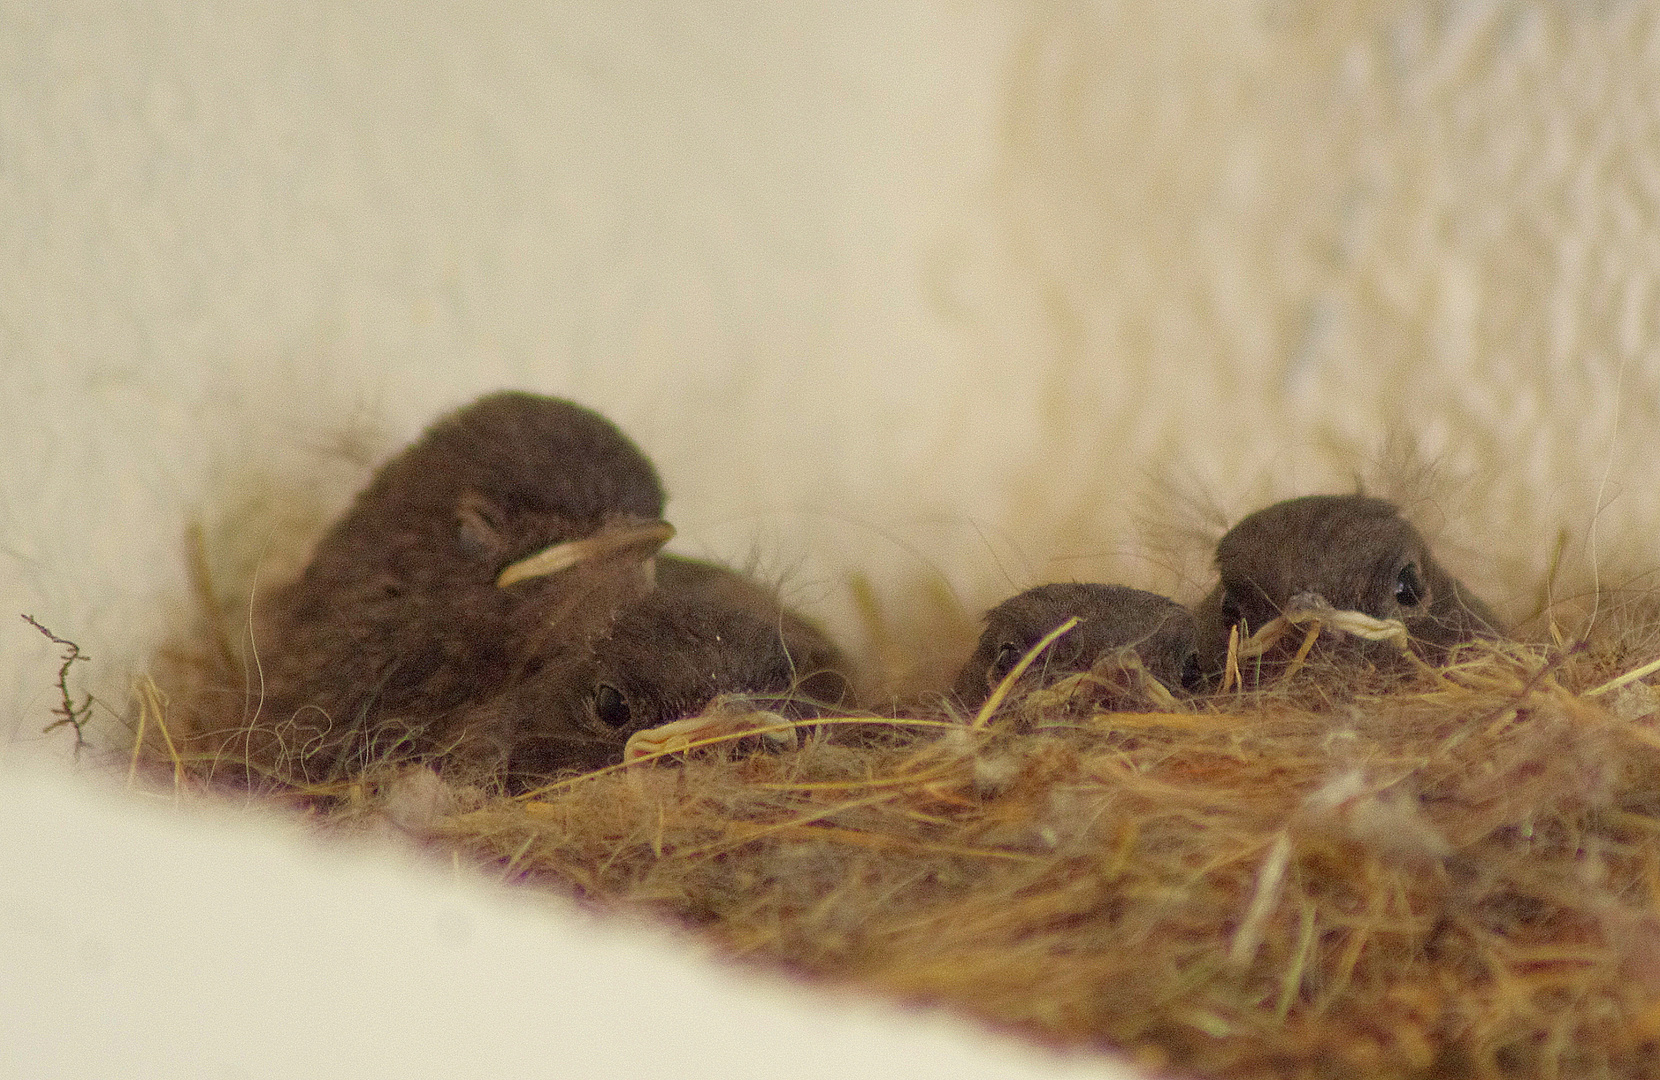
[
  {"x": 705, "y": 632},
  {"x": 1114, "y": 620},
  {"x": 1352, "y": 552},
  {"x": 405, "y": 615}
]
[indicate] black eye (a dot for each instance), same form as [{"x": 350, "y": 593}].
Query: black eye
[
  {"x": 1230, "y": 606},
  {"x": 610, "y": 706},
  {"x": 1192, "y": 677},
  {"x": 478, "y": 527},
  {"x": 1007, "y": 657},
  {"x": 1409, "y": 588}
]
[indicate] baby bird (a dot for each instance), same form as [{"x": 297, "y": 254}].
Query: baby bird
[
  {"x": 1114, "y": 621},
  {"x": 1351, "y": 552},
  {"x": 493, "y": 599},
  {"x": 499, "y": 542},
  {"x": 706, "y": 634}
]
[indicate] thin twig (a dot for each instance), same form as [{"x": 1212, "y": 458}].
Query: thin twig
[{"x": 67, "y": 711}]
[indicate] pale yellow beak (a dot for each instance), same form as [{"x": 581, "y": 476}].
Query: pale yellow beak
[
  {"x": 725, "y": 719},
  {"x": 631, "y": 539}
]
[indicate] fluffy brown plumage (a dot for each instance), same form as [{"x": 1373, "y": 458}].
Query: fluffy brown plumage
[
  {"x": 704, "y": 632},
  {"x": 1113, "y": 620},
  {"x": 1350, "y": 551},
  {"x": 427, "y": 624},
  {"x": 398, "y": 618}
]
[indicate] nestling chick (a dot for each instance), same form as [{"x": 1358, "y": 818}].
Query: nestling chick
[
  {"x": 1114, "y": 620},
  {"x": 495, "y": 584},
  {"x": 704, "y": 633},
  {"x": 1349, "y": 551},
  {"x": 400, "y": 616}
]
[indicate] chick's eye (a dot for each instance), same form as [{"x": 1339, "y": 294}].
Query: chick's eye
[
  {"x": 1007, "y": 657},
  {"x": 478, "y": 527},
  {"x": 1409, "y": 587},
  {"x": 610, "y": 706},
  {"x": 1192, "y": 676},
  {"x": 1230, "y": 606}
]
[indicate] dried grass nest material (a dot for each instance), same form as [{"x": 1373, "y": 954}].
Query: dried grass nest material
[{"x": 1451, "y": 872}]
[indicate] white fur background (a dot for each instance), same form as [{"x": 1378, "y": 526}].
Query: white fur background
[{"x": 948, "y": 294}]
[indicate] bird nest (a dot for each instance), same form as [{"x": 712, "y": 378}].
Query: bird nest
[{"x": 1336, "y": 872}]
